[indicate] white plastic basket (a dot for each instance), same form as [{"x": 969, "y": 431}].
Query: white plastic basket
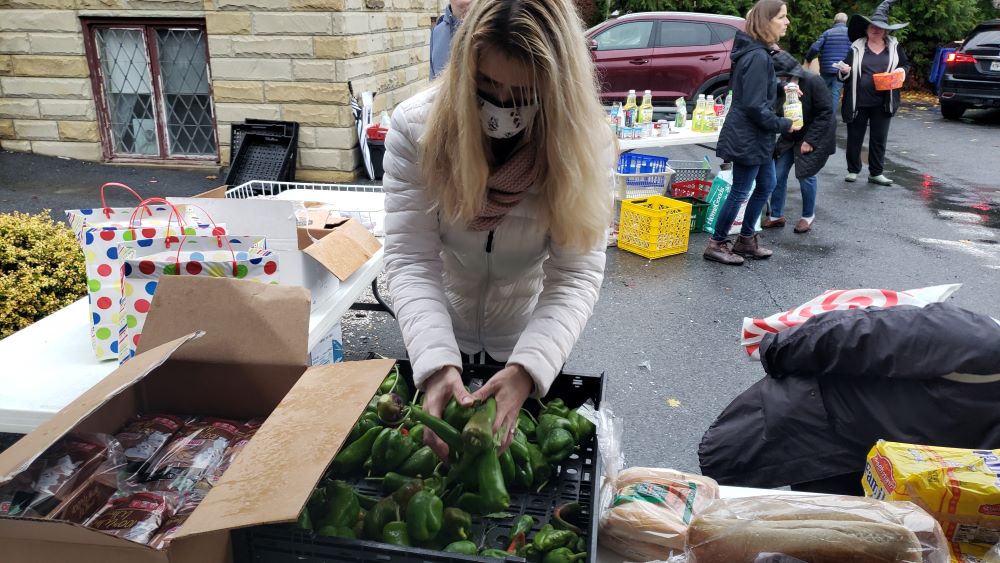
[
  {"x": 630, "y": 186},
  {"x": 364, "y": 203}
]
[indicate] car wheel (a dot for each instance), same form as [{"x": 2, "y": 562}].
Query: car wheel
[{"x": 952, "y": 110}]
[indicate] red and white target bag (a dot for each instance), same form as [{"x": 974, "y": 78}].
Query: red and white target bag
[{"x": 838, "y": 300}]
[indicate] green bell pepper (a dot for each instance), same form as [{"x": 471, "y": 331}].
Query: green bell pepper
[
  {"x": 456, "y": 415},
  {"x": 518, "y": 534},
  {"x": 566, "y": 515},
  {"x": 563, "y": 555},
  {"x": 583, "y": 428},
  {"x": 406, "y": 492},
  {"x": 556, "y": 407},
  {"x": 539, "y": 466},
  {"x": 555, "y": 437},
  {"x": 316, "y": 505},
  {"x": 385, "y": 511},
  {"x": 390, "y": 409},
  {"x": 342, "y": 507},
  {"x": 337, "y": 532},
  {"x": 494, "y": 553},
  {"x": 417, "y": 434},
  {"x": 305, "y": 521},
  {"x": 390, "y": 450},
  {"x": 366, "y": 422},
  {"x": 420, "y": 464},
  {"x": 465, "y": 547},
  {"x": 477, "y": 436},
  {"x": 526, "y": 423},
  {"x": 423, "y": 516},
  {"x": 445, "y": 431},
  {"x": 395, "y": 533},
  {"x": 456, "y": 524},
  {"x": 394, "y": 383},
  {"x": 351, "y": 458},
  {"x": 492, "y": 486},
  {"x": 549, "y": 538},
  {"x": 507, "y": 466},
  {"x": 523, "y": 473}
]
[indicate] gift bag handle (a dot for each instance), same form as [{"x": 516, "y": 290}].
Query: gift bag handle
[
  {"x": 177, "y": 257},
  {"x": 104, "y": 203},
  {"x": 174, "y": 212}
]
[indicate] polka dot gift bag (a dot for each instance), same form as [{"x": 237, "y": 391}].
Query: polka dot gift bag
[
  {"x": 225, "y": 256},
  {"x": 99, "y": 231}
]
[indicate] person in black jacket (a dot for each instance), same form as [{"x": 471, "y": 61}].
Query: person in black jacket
[
  {"x": 873, "y": 51},
  {"x": 747, "y": 139},
  {"x": 808, "y": 148}
]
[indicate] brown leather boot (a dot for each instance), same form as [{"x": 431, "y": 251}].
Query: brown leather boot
[
  {"x": 749, "y": 247},
  {"x": 718, "y": 251}
]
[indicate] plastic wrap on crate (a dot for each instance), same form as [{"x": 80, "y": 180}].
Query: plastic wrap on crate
[{"x": 576, "y": 479}]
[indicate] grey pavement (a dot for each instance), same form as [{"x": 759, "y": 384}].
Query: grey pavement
[{"x": 666, "y": 332}]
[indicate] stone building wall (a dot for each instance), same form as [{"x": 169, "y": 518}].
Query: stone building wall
[{"x": 277, "y": 59}]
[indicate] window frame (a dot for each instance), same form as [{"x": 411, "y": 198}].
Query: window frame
[
  {"x": 148, "y": 27},
  {"x": 711, "y": 34},
  {"x": 650, "y": 41}
]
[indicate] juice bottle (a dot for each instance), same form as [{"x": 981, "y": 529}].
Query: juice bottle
[
  {"x": 630, "y": 113},
  {"x": 680, "y": 116},
  {"x": 698, "y": 119},
  {"x": 711, "y": 120},
  {"x": 615, "y": 118},
  {"x": 793, "y": 107},
  {"x": 646, "y": 113}
]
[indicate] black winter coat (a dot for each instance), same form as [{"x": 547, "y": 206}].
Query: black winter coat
[
  {"x": 748, "y": 136},
  {"x": 820, "y": 128},
  {"x": 845, "y": 379}
]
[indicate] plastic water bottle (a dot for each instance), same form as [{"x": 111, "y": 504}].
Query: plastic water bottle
[
  {"x": 680, "y": 117},
  {"x": 646, "y": 114},
  {"x": 725, "y": 108}
]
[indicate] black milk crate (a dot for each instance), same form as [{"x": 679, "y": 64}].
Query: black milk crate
[
  {"x": 576, "y": 480},
  {"x": 260, "y": 157},
  {"x": 291, "y": 130},
  {"x": 7, "y": 440}
]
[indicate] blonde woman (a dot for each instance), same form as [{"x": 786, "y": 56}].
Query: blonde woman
[{"x": 498, "y": 202}]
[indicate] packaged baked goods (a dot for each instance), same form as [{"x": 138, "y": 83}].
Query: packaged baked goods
[
  {"x": 247, "y": 431},
  {"x": 188, "y": 502},
  {"x": 649, "y": 515},
  {"x": 135, "y": 516},
  {"x": 50, "y": 479},
  {"x": 143, "y": 437},
  {"x": 93, "y": 492},
  {"x": 192, "y": 455},
  {"x": 815, "y": 529},
  {"x": 958, "y": 487}
]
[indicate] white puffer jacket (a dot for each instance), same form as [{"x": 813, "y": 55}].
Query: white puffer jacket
[{"x": 511, "y": 292}]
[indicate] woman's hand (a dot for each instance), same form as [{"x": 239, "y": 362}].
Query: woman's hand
[
  {"x": 806, "y": 148},
  {"x": 439, "y": 388},
  {"x": 843, "y": 67},
  {"x": 511, "y": 387}
]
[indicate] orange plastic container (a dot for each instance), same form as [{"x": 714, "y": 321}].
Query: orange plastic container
[{"x": 888, "y": 80}]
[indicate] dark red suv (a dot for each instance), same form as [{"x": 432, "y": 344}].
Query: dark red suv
[{"x": 673, "y": 54}]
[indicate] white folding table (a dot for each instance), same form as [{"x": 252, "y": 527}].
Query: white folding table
[
  {"x": 677, "y": 137},
  {"x": 50, "y": 363}
]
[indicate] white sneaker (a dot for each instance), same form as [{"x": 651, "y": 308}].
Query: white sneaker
[{"x": 851, "y": 177}]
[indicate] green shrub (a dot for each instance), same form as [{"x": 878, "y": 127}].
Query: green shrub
[
  {"x": 592, "y": 12},
  {"x": 41, "y": 269}
]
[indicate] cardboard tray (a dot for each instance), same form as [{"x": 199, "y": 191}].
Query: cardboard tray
[{"x": 577, "y": 480}]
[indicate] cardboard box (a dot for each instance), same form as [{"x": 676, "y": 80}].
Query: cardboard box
[
  {"x": 318, "y": 266},
  {"x": 222, "y": 370},
  {"x": 330, "y": 349}
]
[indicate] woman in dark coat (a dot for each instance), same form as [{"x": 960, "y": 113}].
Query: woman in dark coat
[
  {"x": 873, "y": 51},
  {"x": 747, "y": 139},
  {"x": 808, "y": 148}
]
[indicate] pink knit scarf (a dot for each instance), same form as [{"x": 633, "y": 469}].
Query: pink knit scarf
[{"x": 506, "y": 187}]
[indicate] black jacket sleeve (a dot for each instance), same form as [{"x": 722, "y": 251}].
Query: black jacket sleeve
[
  {"x": 755, "y": 95},
  {"x": 904, "y": 61},
  {"x": 848, "y": 60},
  {"x": 902, "y": 342},
  {"x": 822, "y": 113}
]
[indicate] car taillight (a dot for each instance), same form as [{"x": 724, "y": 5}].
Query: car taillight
[{"x": 955, "y": 58}]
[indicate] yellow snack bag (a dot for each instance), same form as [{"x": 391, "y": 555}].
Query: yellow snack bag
[{"x": 959, "y": 487}]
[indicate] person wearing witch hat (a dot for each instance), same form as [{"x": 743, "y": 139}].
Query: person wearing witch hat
[{"x": 873, "y": 51}]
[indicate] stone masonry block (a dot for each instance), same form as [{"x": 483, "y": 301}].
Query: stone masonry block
[
  {"x": 307, "y": 137},
  {"x": 294, "y": 47},
  {"x": 237, "y": 91},
  {"x": 350, "y": 23},
  {"x": 39, "y": 20},
  {"x": 252, "y": 69},
  {"x": 220, "y": 46},
  {"x": 328, "y": 5},
  {"x": 6, "y": 65},
  {"x": 329, "y": 159},
  {"x": 236, "y": 113},
  {"x": 13, "y": 108},
  {"x": 314, "y": 70},
  {"x": 41, "y": 65},
  {"x": 14, "y": 43},
  {"x": 78, "y": 131},
  {"x": 327, "y": 176},
  {"x": 16, "y": 146},
  {"x": 101, "y": 4},
  {"x": 318, "y": 115},
  {"x": 225, "y": 133},
  {"x": 82, "y": 151},
  {"x": 56, "y": 43},
  {"x": 227, "y": 23},
  {"x": 253, "y": 5},
  {"x": 7, "y": 129},
  {"x": 394, "y": 22},
  {"x": 377, "y": 21},
  {"x": 67, "y": 109},
  {"x": 336, "y": 137},
  {"x": 179, "y": 5},
  {"x": 20, "y": 87},
  {"x": 35, "y": 129},
  {"x": 340, "y": 46},
  {"x": 41, "y": 4},
  {"x": 298, "y": 23},
  {"x": 307, "y": 92}
]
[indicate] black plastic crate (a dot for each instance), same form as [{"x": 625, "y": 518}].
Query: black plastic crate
[
  {"x": 577, "y": 479},
  {"x": 260, "y": 157},
  {"x": 7, "y": 440},
  {"x": 291, "y": 129}
]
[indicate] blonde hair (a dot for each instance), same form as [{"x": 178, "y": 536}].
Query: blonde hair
[
  {"x": 759, "y": 21},
  {"x": 570, "y": 135}
]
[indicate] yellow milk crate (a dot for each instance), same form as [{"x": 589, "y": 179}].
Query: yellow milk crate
[{"x": 654, "y": 226}]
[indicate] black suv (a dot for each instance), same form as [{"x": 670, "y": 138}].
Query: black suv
[{"x": 972, "y": 73}]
